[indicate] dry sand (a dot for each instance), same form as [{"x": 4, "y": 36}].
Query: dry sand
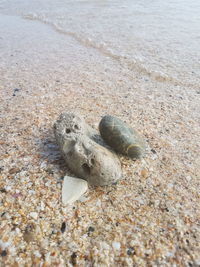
[{"x": 151, "y": 217}]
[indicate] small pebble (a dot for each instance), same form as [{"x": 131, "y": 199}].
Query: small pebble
[
  {"x": 132, "y": 243},
  {"x": 63, "y": 227},
  {"x": 73, "y": 258},
  {"x": 34, "y": 215},
  {"x": 130, "y": 251},
  {"x": 2, "y": 190},
  {"x": 144, "y": 173},
  {"x": 42, "y": 206},
  {"x": 4, "y": 253},
  {"x": 188, "y": 178},
  {"x": 14, "y": 170},
  {"x": 105, "y": 245},
  {"x": 28, "y": 237},
  {"x": 116, "y": 245},
  {"x": 153, "y": 151},
  {"x": 15, "y": 90},
  {"x": 29, "y": 234},
  {"x": 91, "y": 229},
  {"x": 98, "y": 203}
]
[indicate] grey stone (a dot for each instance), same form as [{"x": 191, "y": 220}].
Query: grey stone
[
  {"x": 121, "y": 137},
  {"x": 86, "y": 158}
]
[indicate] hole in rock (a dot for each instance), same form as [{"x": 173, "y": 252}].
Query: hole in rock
[
  {"x": 69, "y": 154},
  {"x": 76, "y": 127},
  {"x": 68, "y": 131},
  {"x": 86, "y": 168},
  {"x": 92, "y": 161}
]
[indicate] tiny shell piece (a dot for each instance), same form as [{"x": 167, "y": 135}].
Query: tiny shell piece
[
  {"x": 72, "y": 189},
  {"x": 116, "y": 245}
]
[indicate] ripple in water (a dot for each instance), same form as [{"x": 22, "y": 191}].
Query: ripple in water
[{"x": 158, "y": 39}]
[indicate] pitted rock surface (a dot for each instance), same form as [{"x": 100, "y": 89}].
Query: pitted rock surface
[{"x": 86, "y": 158}]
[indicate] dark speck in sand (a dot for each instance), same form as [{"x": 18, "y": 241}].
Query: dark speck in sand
[
  {"x": 153, "y": 151},
  {"x": 2, "y": 190},
  {"x": 91, "y": 229},
  {"x": 63, "y": 227},
  {"x": 130, "y": 251},
  {"x": 4, "y": 253},
  {"x": 3, "y": 213},
  {"x": 15, "y": 90},
  {"x": 73, "y": 258}
]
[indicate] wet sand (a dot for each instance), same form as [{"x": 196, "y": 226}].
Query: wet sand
[{"x": 151, "y": 217}]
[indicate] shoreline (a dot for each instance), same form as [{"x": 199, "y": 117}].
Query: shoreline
[{"x": 152, "y": 213}]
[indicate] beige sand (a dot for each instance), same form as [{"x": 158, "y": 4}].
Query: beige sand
[{"x": 151, "y": 217}]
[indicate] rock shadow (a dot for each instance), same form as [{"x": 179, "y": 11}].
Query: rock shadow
[{"x": 49, "y": 153}]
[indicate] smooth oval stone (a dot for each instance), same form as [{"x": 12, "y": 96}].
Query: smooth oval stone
[
  {"x": 86, "y": 158},
  {"x": 123, "y": 139}
]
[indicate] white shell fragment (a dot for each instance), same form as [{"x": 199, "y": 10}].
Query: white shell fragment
[
  {"x": 116, "y": 245},
  {"x": 34, "y": 215},
  {"x": 72, "y": 189}
]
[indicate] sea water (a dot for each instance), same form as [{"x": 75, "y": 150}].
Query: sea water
[{"x": 157, "y": 38}]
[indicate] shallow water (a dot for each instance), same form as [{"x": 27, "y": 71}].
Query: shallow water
[{"x": 158, "y": 39}]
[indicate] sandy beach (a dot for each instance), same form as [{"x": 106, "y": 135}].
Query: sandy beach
[{"x": 151, "y": 216}]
